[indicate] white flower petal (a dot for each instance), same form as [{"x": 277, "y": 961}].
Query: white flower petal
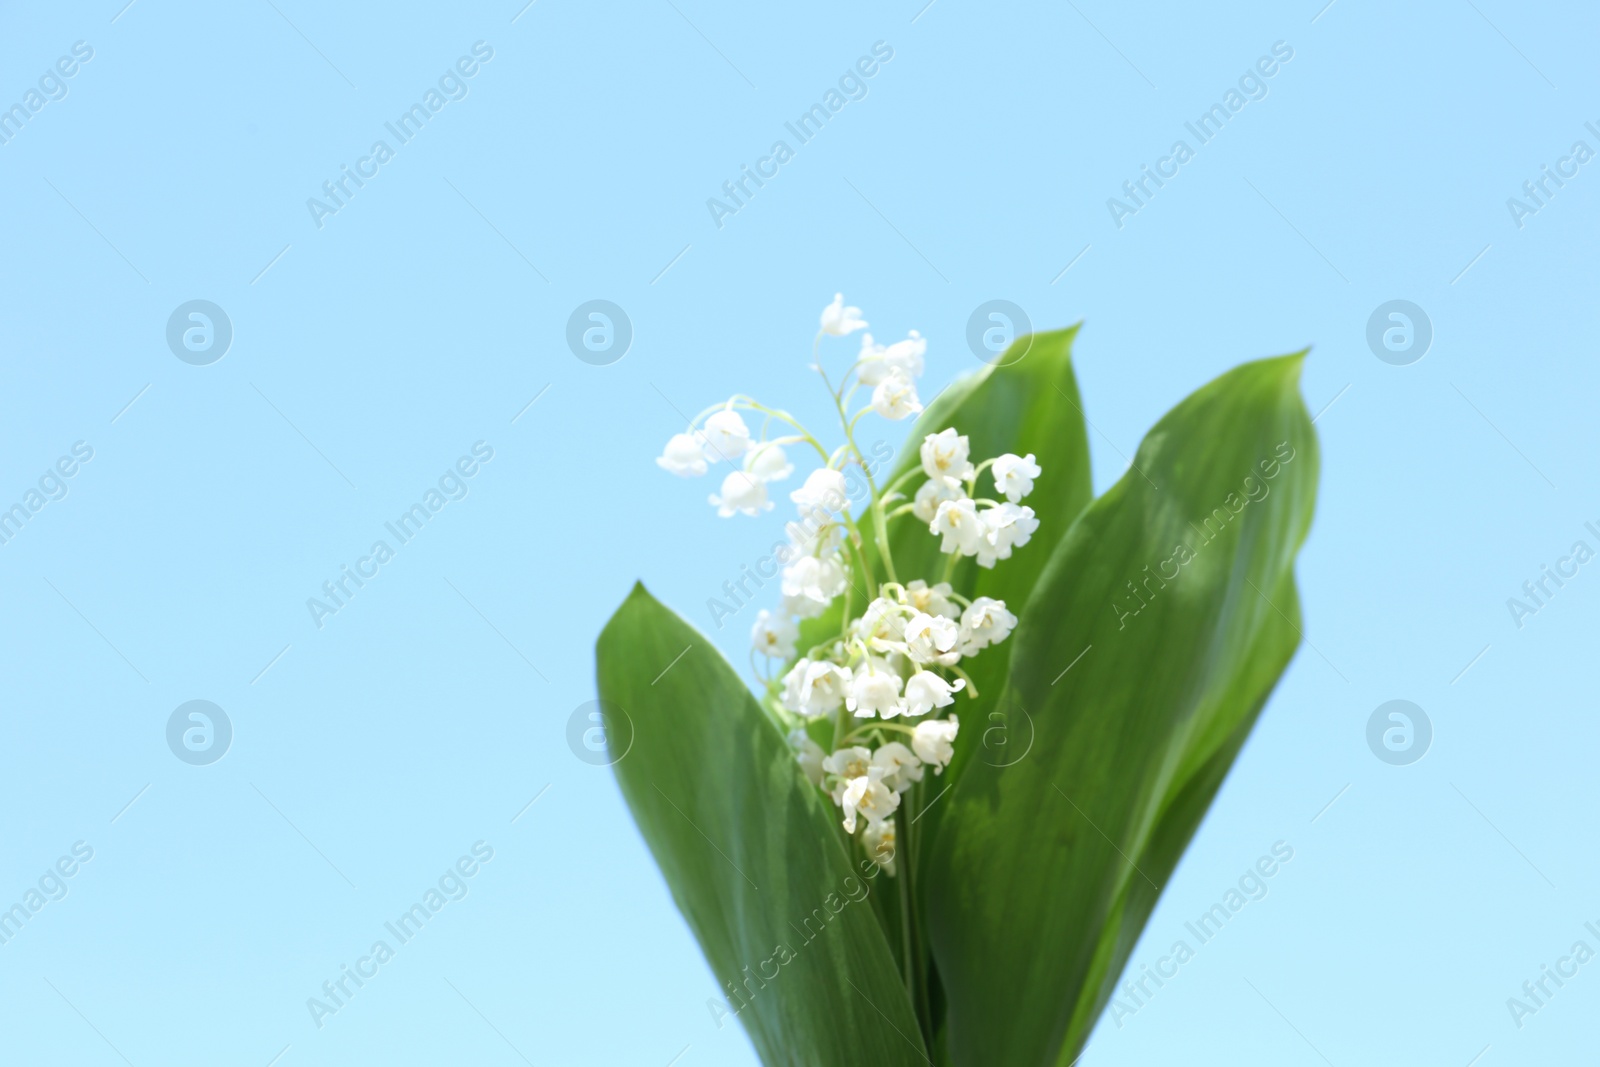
[
  {"x": 934, "y": 742},
  {"x": 741, "y": 493},
  {"x": 874, "y": 690},
  {"x": 926, "y": 691},
  {"x": 932, "y": 639},
  {"x": 1014, "y": 475},
  {"x": 825, "y": 490},
  {"x": 934, "y": 492},
  {"x": 901, "y": 767},
  {"x": 932, "y": 600},
  {"x": 815, "y": 687},
  {"x": 945, "y": 455},
  {"x": 684, "y": 456},
  {"x": 774, "y": 636},
  {"x": 985, "y": 623},
  {"x": 957, "y": 523},
  {"x": 767, "y": 463},
  {"x": 840, "y": 320},
  {"x": 876, "y": 362},
  {"x": 896, "y": 396},
  {"x": 726, "y": 436}
]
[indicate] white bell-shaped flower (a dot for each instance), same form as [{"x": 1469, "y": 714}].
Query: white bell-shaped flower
[
  {"x": 848, "y": 763},
  {"x": 726, "y": 436},
  {"x": 741, "y": 493},
  {"x": 1005, "y": 527},
  {"x": 907, "y": 355},
  {"x": 882, "y": 625},
  {"x": 768, "y": 463},
  {"x": 773, "y": 635},
  {"x": 814, "y": 579},
  {"x": 926, "y": 691},
  {"x": 935, "y": 491},
  {"x": 843, "y": 765},
  {"x": 814, "y": 535},
  {"x": 932, "y": 600},
  {"x": 877, "y": 361},
  {"x": 946, "y": 455},
  {"x": 840, "y": 320},
  {"x": 1014, "y": 475},
  {"x": 869, "y": 796},
  {"x": 985, "y": 623},
  {"x": 815, "y": 687},
  {"x": 934, "y": 742},
  {"x": 901, "y": 768},
  {"x": 874, "y": 690},
  {"x": 932, "y": 639},
  {"x": 825, "y": 490},
  {"x": 683, "y": 456},
  {"x": 803, "y": 607},
  {"x": 957, "y": 524},
  {"x": 896, "y": 396}
]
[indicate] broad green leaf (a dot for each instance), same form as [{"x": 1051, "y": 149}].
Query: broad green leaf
[
  {"x": 750, "y": 849},
  {"x": 1172, "y": 601}
]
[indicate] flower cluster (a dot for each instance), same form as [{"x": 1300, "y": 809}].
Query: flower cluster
[{"x": 875, "y": 686}]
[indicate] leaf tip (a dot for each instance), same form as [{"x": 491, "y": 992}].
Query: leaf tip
[
  {"x": 638, "y": 597},
  {"x": 1292, "y": 362},
  {"x": 1288, "y": 367}
]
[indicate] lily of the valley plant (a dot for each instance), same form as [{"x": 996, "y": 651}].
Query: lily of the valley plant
[{"x": 993, "y": 710}]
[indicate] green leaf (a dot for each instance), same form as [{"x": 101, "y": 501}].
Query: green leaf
[
  {"x": 750, "y": 849},
  {"x": 1045, "y": 871}
]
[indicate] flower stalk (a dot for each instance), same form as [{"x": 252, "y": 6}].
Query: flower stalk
[{"x": 880, "y": 687}]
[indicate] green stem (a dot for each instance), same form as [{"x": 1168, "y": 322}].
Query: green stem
[
  {"x": 844, "y": 616},
  {"x": 878, "y": 726},
  {"x": 898, "y": 482},
  {"x": 880, "y": 534},
  {"x": 816, "y": 345},
  {"x": 908, "y": 849},
  {"x": 750, "y": 404},
  {"x": 856, "y": 542},
  {"x": 880, "y": 521},
  {"x": 908, "y": 946}
]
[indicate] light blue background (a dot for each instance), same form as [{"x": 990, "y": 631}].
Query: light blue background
[{"x": 426, "y": 315}]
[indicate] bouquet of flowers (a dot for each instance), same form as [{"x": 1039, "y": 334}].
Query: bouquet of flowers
[{"x": 1112, "y": 674}]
